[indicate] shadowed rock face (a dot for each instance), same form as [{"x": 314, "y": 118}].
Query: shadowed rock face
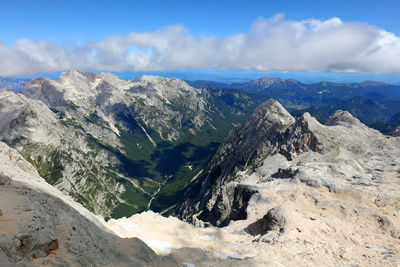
[
  {"x": 235, "y": 196},
  {"x": 343, "y": 144}
]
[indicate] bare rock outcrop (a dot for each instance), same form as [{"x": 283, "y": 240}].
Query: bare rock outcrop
[
  {"x": 39, "y": 228},
  {"x": 340, "y": 155}
]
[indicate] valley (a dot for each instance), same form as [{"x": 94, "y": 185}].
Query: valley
[{"x": 132, "y": 134}]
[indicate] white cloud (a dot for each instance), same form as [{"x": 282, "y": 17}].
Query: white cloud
[{"x": 272, "y": 44}]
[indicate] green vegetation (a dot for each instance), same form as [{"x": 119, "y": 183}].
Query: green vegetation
[{"x": 48, "y": 163}]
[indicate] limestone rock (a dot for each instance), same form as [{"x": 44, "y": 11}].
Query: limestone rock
[
  {"x": 50, "y": 223},
  {"x": 341, "y": 155}
]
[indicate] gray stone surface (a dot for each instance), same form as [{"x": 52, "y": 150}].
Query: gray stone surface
[
  {"x": 342, "y": 155},
  {"x": 57, "y": 227}
]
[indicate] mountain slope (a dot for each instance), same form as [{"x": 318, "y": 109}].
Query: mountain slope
[
  {"x": 65, "y": 156},
  {"x": 41, "y": 226},
  {"x": 394, "y": 127},
  {"x": 114, "y": 144}
]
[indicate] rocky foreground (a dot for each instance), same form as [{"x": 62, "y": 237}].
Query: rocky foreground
[{"x": 280, "y": 191}]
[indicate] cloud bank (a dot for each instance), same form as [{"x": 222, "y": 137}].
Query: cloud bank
[{"x": 271, "y": 44}]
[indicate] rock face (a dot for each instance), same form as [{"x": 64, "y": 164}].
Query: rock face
[
  {"x": 62, "y": 154},
  {"x": 245, "y": 147},
  {"x": 342, "y": 155},
  {"x": 108, "y": 142}
]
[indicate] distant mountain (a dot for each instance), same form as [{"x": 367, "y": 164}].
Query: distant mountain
[
  {"x": 12, "y": 83},
  {"x": 394, "y": 125},
  {"x": 294, "y": 94},
  {"x": 375, "y": 113},
  {"x": 119, "y": 146}
]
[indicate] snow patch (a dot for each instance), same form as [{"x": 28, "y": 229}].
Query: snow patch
[
  {"x": 123, "y": 227},
  {"x": 161, "y": 246}
]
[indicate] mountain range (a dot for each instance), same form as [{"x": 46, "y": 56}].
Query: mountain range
[
  {"x": 278, "y": 191},
  {"x": 294, "y": 94},
  {"x": 119, "y": 146}
]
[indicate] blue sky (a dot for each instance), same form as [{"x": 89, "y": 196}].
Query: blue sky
[
  {"x": 343, "y": 36},
  {"x": 83, "y": 20}
]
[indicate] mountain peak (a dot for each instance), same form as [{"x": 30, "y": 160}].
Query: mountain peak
[
  {"x": 372, "y": 83},
  {"x": 343, "y": 118},
  {"x": 273, "y": 112},
  {"x": 74, "y": 76},
  {"x": 72, "y": 73},
  {"x": 265, "y": 77}
]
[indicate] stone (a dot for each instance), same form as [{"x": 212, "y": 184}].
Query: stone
[{"x": 277, "y": 219}]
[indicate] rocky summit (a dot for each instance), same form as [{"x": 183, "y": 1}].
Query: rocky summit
[{"x": 324, "y": 194}]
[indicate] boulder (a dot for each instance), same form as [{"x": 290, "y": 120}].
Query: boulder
[{"x": 277, "y": 219}]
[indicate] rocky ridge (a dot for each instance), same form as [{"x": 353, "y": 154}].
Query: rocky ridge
[
  {"x": 251, "y": 149},
  {"x": 290, "y": 178},
  {"x": 81, "y": 94}
]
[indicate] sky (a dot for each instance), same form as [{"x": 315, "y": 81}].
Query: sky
[{"x": 272, "y": 36}]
